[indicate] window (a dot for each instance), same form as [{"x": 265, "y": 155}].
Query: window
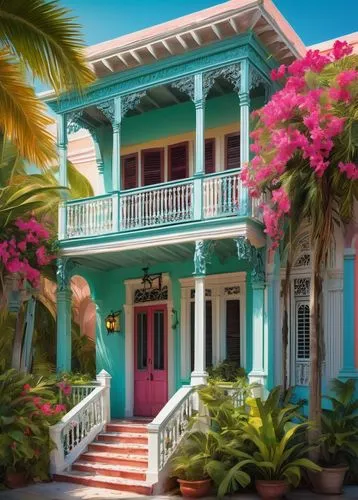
[
  {"x": 209, "y": 333},
  {"x": 209, "y": 156},
  {"x": 178, "y": 161},
  {"x": 302, "y": 330},
  {"x": 152, "y": 166},
  {"x": 232, "y": 151},
  {"x": 233, "y": 347},
  {"x": 130, "y": 171}
]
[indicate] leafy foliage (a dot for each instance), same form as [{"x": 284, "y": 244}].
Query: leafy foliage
[
  {"x": 40, "y": 38},
  {"x": 226, "y": 371},
  {"x": 339, "y": 441}
]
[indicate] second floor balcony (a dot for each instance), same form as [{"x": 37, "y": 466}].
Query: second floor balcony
[{"x": 210, "y": 197}]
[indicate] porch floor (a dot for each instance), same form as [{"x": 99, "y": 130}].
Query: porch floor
[{"x": 63, "y": 491}]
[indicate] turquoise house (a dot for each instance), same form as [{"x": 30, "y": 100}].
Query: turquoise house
[{"x": 172, "y": 246}]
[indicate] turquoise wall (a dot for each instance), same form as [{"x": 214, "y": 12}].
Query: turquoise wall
[
  {"x": 166, "y": 122},
  {"x": 108, "y": 290}
]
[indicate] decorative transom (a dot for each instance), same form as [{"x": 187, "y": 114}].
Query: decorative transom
[
  {"x": 232, "y": 290},
  {"x": 154, "y": 294},
  {"x": 302, "y": 287}
]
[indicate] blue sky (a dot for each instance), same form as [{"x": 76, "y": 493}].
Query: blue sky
[{"x": 313, "y": 20}]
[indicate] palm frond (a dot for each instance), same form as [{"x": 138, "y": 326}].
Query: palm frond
[
  {"x": 23, "y": 119},
  {"x": 47, "y": 40}
]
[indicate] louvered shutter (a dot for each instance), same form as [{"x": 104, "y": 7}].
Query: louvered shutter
[
  {"x": 178, "y": 161},
  {"x": 233, "y": 330},
  {"x": 152, "y": 165},
  {"x": 303, "y": 330},
  {"x": 209, "y": 156},
  {"x": 232, "y": 151},
  {"x": 130, "y": 171}
]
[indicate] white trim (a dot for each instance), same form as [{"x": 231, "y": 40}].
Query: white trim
[
  {"x": 217, "y": 233},
  {"x": 217, "y": 284}
]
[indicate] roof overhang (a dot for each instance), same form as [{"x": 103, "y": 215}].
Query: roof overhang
[{"x": 196, "y": 30}]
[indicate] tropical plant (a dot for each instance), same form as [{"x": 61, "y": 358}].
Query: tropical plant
[
  {"x": 27, "y": 407},
  {"x": 226, "y": 371},
  {"x": 41, "y": 39},
  {"x": 339, "y": 441},
  {"x": 306, "y": 159},
  {"x": 276, "y": 455}
]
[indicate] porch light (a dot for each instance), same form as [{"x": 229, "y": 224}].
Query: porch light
[
  {"x": 113, "y": 324},
  {"x": 149, "y": 279}
]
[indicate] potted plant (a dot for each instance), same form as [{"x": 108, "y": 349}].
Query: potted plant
[
  {"x": 277, "y": 449},
  {"x": 189, "y": 467},
  {"x": 339, "y": 439}
]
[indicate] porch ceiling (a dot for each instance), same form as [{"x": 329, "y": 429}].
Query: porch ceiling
[{"x": 151, "y": 256}]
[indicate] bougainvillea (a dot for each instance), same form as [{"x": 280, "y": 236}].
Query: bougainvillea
[
  {"x": 300, "y": 122},
  {"x": 25, "y": 248}
]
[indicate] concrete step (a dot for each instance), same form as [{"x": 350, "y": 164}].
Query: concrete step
[
  {"x": 127, "y": 426},
  {"x": 113, "y": 470},
  {"x": 123, "y": 437},
  {"x": 101, "y": 481},
  {"x": 123, "y": 448},
  {"x": 131, "y": 460}
]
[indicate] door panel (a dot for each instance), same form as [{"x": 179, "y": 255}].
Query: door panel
[{"x": 151, "y": 373}]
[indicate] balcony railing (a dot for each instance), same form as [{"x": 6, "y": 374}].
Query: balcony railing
[{"x": 212, "y": 196}]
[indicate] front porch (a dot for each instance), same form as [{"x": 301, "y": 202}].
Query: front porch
[{"x": 202, "y": 313}]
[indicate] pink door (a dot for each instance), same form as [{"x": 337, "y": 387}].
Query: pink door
[{"x": 150, "y": 360}]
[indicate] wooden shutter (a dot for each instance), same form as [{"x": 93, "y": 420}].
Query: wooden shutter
[
  {"x": 209, "y": 156},
  {"x": 233, "y": 331},
  {"x": 232, "y": 151},
  {"x": 178, "y": 161},
  {"x": 152, "y": 166},
  {"x": 130, "y": 171}
]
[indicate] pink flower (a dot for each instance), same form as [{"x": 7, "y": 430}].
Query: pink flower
[
  {"x": 59, "y": 409},
  {"x": 46, "y": 409},
  {"x": 65, "y": 388},
  {"x": 280, "y": 197},
  {"x": 341, "y": 49},
  {"x": 42, "y": 258},
  {"x": 14, "y": 266},
  {"x": 277, "y": 74},
  {"x": 22, "y": 246},
  {"x": 347, "y": 77},
  {"x": 27, "y": 387},
  {"x": 350, "y": 169},
  {"x": 37, "y": 401}
]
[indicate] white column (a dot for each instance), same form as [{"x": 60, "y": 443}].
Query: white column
[
  {"x": 199, "y": 376},
  {"x": 258, "y": 373},
  {"x": 333, "y": 312}
]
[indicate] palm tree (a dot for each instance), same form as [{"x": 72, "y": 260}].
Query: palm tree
[
  {"x": 39, "y": 39},
  {"x": 317, "y": 202}
]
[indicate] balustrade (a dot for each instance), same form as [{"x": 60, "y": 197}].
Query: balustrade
[
  {"x": 80, "y": 392},
  {"x": 222, "y": 195},
  {"x": 164, "y": 204},
  {"x": 153, "y": 206}
]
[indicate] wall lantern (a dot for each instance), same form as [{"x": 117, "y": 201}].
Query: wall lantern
[
  {"x": 113, "y": 323},
  {"x": 149, "y": 279}
]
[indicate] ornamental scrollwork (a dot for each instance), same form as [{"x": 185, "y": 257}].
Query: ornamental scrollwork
[
  {"x": 253, "y": 256},
  {"x": 202, "y": 254},
  {"x": 76, "y": 122},
  {"x": 107, "y": 109},
  {"x": 131, "y": 101},
  {"x": 186, "y": 86},
  {"x": 231, "y": 73},
  {"x": 65, "y": 267}
]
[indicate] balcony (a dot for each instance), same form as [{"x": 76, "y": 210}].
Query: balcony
[{"x": 214, "y": 196}]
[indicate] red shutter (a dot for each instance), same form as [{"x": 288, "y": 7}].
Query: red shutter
[
  {"x": 152, "y": 165},
  {"x": 130, "y": 171},
  {"x": 232, "y": 151},
  {"x": 209, "y": 156},
  {"x": 178, "y": 161}
]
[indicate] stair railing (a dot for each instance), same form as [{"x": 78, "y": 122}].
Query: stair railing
[
  {"x": 167, "y": 430},
  {"x": 80, "y": 426}
]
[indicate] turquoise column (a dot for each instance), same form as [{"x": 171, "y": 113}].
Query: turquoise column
[
  {"x": 258, "y": 372},
  {"x": 63, "y": 176},
  {"x": 64, "y": 298},
  {"x": 348, "y": 369},
  {"x": 116, "y": 157},
  {"x": 199, "y": 102},
  {"x": 244, "y": 96}
]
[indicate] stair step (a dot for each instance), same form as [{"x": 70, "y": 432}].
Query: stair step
[
  {"x": 113, "y": 470},
  {"x": 134, "y": 428},
  {"x": 123, "y": 437},
  {"x": 100, "y": 481},
  {"x": 121, "y": 459},
  {"x": 126, "y": 448}
]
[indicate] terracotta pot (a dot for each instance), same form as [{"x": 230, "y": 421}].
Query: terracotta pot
[
  {"x": 15, "y": 479},
  {"x": 194, "y": 489},
  {"x": 271, "y": 490},
  {"x": 330, "y": 480}
]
